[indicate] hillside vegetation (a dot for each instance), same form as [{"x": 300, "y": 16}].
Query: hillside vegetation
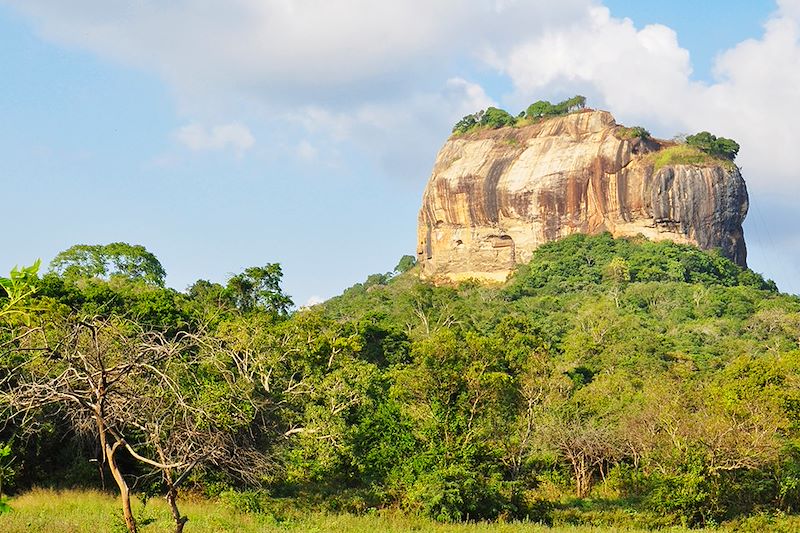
[{"x": 613, "y": 382}]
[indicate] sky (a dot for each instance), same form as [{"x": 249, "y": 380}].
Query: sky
[{"x": 228, "y": 134}]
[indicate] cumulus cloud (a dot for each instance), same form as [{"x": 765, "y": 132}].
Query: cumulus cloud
[
  {"x": 790, "y": 8},
  {"x": 400, "y": 133},
  {"x": 644, "y": 76},
  {"x": 312, "y": 301},
  {"x": 348, "y": 70},
  {"x": 289, "y": 51},
  {"x": 630, "y": 68},
  {"x": 234, "y": 136}
]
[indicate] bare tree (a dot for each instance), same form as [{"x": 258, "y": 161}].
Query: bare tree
[
  {"x": 139, "y": 393},
  {"x": 586, "y": 444}
]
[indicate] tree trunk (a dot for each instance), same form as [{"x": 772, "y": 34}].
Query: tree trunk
[
  {"x": 583, "y": 476},
  {"x": 180, "y": 521},
  {"x": 124, "y": 491}
]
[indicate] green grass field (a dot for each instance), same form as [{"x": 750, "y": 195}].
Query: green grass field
[{"x": 96, "y": 512}]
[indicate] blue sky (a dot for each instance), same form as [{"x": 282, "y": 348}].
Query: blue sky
[{"x": 222, "y": 135}]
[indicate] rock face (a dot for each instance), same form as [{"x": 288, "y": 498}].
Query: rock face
[{"x": 496, "y": 195}]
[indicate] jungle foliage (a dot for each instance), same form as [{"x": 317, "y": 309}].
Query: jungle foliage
[{"x": 609, "y": 381}]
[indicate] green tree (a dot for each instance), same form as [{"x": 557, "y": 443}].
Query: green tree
[
  {"x": 538, "y": 109},
  {"x": 617, "y": 270},
  {"x": 543, "y": 108},
  {"x": 406, "y": 263},
  {"x": 117, "y": 259},
  {"x": 259, "y": 288},
  {"x": 466, "y": 124},
  {"x": 575, "y": 103},
  {"x": 716, "y": 146},
  {"x": 497, "y": 118},
  {"x": 15, "y": 289}
]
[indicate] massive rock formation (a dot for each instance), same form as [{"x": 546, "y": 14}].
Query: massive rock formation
[{"x": 496, "y": 195}]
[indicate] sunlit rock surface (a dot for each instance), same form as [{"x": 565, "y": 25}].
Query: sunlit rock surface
[{"x": 496, "y": 195}]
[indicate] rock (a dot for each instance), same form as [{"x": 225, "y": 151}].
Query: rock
[{"x": 496, "y": 195}]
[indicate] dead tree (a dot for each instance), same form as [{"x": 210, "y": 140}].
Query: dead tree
[
  {"x": 139, "y": 393},
  {"x": 587, "y": 445}
]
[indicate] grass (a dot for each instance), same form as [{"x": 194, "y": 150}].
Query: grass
[
  {"x": 683, "y": 154},
  {"x": 634, "y": 132},
  {"x": 81, "y": 511}
]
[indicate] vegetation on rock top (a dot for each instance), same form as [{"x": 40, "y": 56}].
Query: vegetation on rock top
[
  {"x": 701, "y": 149},
  {"x": 686, "y": 154},
  {"x": 720, "y": 147},
  {"x": 635, "y": 132},
  {"x": 493, "y": 118}
]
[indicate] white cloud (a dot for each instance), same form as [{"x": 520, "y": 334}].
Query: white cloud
[
  {"x": 234, "y": 136},
  {"x": 289, "y": 51},
  {"x": 384, "y": 76},
  {"x": 306, "y": 151},
  {"x": 402, "y": 133},
  {"x": 313, "y": 300},
  {"x": 644, "y": 76},
  {"x": 629, "y": 67},
  {"x": 789, "y": 8},
  {"x": 348, "y": 70},
  {"x": 372, "y": 71},
  {"x": 463, "y": 97}
]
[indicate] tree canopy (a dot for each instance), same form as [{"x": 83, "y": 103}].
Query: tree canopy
[
  {"x": 610, "y": 381},
  {"x": 118, "y": 259},
  {"x": 259, "y": 288},
  {"x": 543, "y": 108},
  {"x": 713, "y": 145},
  {"x": 493, "y": 118}
]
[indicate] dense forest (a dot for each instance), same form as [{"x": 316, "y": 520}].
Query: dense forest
[{"x": 609, "y": 381}]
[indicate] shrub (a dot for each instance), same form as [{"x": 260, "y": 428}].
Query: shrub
[
  {"x": 716, "y": 146},
  {"x": 244, "y": 501},
  {"x": 467, "y": 123},
  {"x": 497, "y": 118},
  {"x": 686, "y": 495},
  {"x": 543, "y": 108},
  {"x": 494, "y": 117},
  {"x": 635, "y": 132},
  {"x": 457, "y": 492}
]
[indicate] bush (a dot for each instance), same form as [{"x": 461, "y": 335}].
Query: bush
[
  {"x": 635, "y": 132},
  {"x": 458, "y": 492},
  {"x": 543, "y": 108},
  {"x": 246, "y": 501},
  {"x": 468, "y": 123},
  {"x": 494, "y": 117},
  {"x": 715, "y": 146},
  {"x": 581, "y": 261},
  {"x": 497, "y": 118},
  {"x": 686, "y": 495}
]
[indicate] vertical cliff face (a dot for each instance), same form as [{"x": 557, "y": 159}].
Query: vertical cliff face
[{"x": 496, "y": 195}]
